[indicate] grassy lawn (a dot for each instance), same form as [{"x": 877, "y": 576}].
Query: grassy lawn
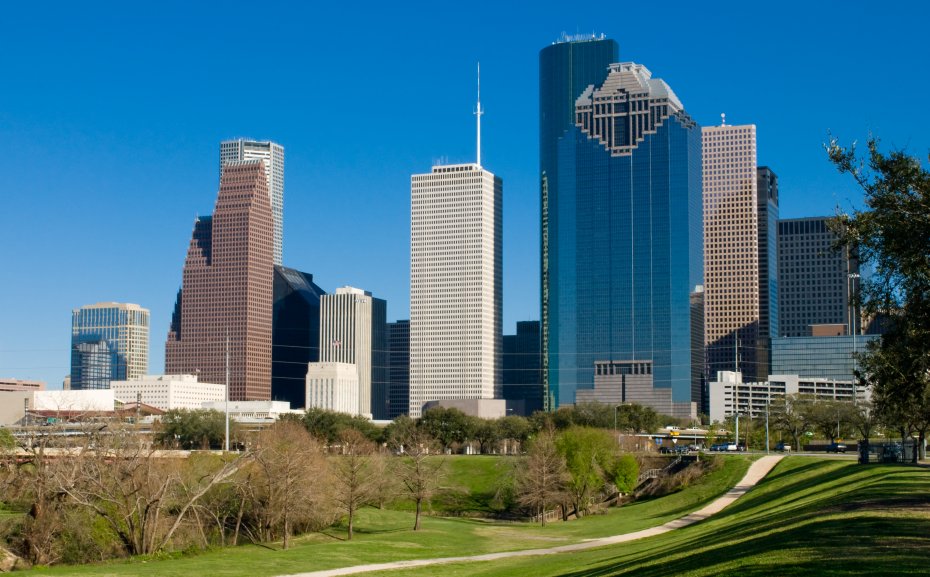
[
  {"x": 808, "y": 517},
  {"x": 386, "y": 535}
]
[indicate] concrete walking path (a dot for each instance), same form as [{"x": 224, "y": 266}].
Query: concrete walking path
[{"x": 756, "y": 472}]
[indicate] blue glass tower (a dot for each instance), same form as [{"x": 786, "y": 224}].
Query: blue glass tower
[{"x": 620, "y": 169}]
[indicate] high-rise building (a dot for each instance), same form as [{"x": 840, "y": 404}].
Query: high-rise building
[
  {"x": 767, "y": 186},
  {"x": 620, "y": 177},
  {"x": 332, "y": 387},
  {"x": 455, "y": 283},
  {"x": 272, "y": 155},
  {"x": 109, "y": 341},
  {"x": 815, "y": 279},
  {"x": 295, "y": 333},
  {"x": 227, "y": 290},
  {"x": 522, "y": 369},
  {"x": 352, "y": 331},
  {"x": 739, "y": 253},
  {"x": 398, "y": 338}
]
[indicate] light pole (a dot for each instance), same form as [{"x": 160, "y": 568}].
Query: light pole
[{"x": 854, "y": 323}]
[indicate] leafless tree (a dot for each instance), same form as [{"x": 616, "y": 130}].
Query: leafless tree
[
  {"x": 420, "y": 470},
  {"x": 542, "y": 477},
  {"x": 293, "y": 477},
  {"x": 354, "y": 474}
]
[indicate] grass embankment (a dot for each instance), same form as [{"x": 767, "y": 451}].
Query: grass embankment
[
  {"x": 808, "y": 517},
  {"x": 382, "y": 536}
]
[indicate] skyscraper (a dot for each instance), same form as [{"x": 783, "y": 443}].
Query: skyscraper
[
  {"x": 522, "y": 369},
  {"x": 620, "y": 176},
  {"x": 227, "y": 289},
  {"x": 398, "y": 337},
  {"x": 295, "y": 333},
  {"x": 455, "y": 283},
  {"x": 814, "y": 279},
  {"x": 272, "y": 155},
  {"x": 109, "y": 341},
  {"x": 739, "y": 253},
  {"x": 352, "y": 330}
]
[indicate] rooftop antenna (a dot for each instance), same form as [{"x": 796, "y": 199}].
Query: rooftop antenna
[
  {"x": 478, "y": 113},
  {"x": 723, "y": 119}
]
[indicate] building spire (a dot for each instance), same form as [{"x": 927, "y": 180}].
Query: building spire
[{"x": 478, "y": 113}]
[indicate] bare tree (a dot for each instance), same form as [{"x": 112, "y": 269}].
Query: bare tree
[
  {"x": 142, "y": 495},
  {"x": 354, "y": 473},
  {"x": 542, "y": 477},
  {"x": 294, "y": 477},
  {"x": 420, "y": 471}
]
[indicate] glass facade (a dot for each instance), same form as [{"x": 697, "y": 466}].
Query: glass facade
[
  {"x": 522, "y": 369},
  {"x": 824, "y": 357},
  {"x": 109, "y": 341},
  {"x": 621, "y": 221},
  {"x": 295, "y": 333},
  {"x": 398, "y": 337}
]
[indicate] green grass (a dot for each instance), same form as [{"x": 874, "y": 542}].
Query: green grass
[
  {"x": 827, "y": 518},
  {"x": 386, "y": 536}
]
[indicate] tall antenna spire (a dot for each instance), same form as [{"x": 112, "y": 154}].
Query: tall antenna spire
[{"x": 478, "y": 113}]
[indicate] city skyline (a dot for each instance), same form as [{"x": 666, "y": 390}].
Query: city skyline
[{"x": 118, "y": 141}]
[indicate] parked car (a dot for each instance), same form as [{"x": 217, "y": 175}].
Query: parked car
[
  {"x": 665, "y": 450},
  {"x": 836, "y": 448},
  {"x": 682, "y": 449},
  {"x": 783, "y": 447}
]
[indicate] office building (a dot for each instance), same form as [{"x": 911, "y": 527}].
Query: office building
[
  {"x": 739, "y": 252},
  {"x": 522, "y": 369},
  {"x": 815, "y": 279},
  {"x": 620, "y": 179},
  {"x": 398, "y": 338},
  {"x": 9, "y": 385},
  {"x": 227, "y": 290},
  {"x": 272, "y": 156},
  {"x": 168, "y": 392},
  {"x": 729, "y": 395},
  {"x": 456, "y": 290},
  {"x": 827, "y": 357},
  {"x": 332, "y": 387},
  {"x": 352, "y": 331},
  {"x": 295, "y": 333},
  {"x": 108, "y": 341}
]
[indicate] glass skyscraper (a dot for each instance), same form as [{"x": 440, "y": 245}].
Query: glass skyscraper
[
  {"x": 109, "y": 341},
  {"x": 620, "y": 178}
]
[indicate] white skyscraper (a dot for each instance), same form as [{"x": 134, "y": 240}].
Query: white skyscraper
[
  {"x": 455, "y": 283},
  {"x": 352, "y": 330},
  {"x": 272, "y": 154}
]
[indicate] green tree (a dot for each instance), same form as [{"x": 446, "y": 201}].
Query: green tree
[
  {"x": 192, "y": 429},
  {"x": 448, "y": 426},
  {"x": 790, "y": 416},
  {"x": 625, "y": 473},
  {"x": 329, "y": 425},
  {"x": 892, "y": 233},
  {"x": 588, "y": 455}
]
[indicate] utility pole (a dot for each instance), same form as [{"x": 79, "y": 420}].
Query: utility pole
[{"x": 226, "y": 442}]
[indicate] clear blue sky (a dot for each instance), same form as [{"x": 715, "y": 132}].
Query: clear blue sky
[{"x": 111, "y": 116}]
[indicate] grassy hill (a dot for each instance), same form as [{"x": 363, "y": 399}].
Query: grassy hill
[
  {"x": 808, "y": 517},
  {"x": 386, "y": 535}
]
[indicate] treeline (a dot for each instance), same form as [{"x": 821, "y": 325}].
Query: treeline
[
  {"x": 116, "y": 494},
  {"x": 451, "y": 428}
]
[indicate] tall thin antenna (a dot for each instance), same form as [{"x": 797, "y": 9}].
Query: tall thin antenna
[{"x": 478, "y": 113}]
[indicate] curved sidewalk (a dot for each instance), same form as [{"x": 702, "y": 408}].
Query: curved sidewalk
[{"x": 756, "y": 472}]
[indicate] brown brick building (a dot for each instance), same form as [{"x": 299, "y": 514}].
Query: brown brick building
[{"x": 228, "y": 286}]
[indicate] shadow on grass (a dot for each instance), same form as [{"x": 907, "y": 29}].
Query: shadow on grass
[
  {"x": 872, "y": 540},
  {"x": 882, "y": 546}
]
